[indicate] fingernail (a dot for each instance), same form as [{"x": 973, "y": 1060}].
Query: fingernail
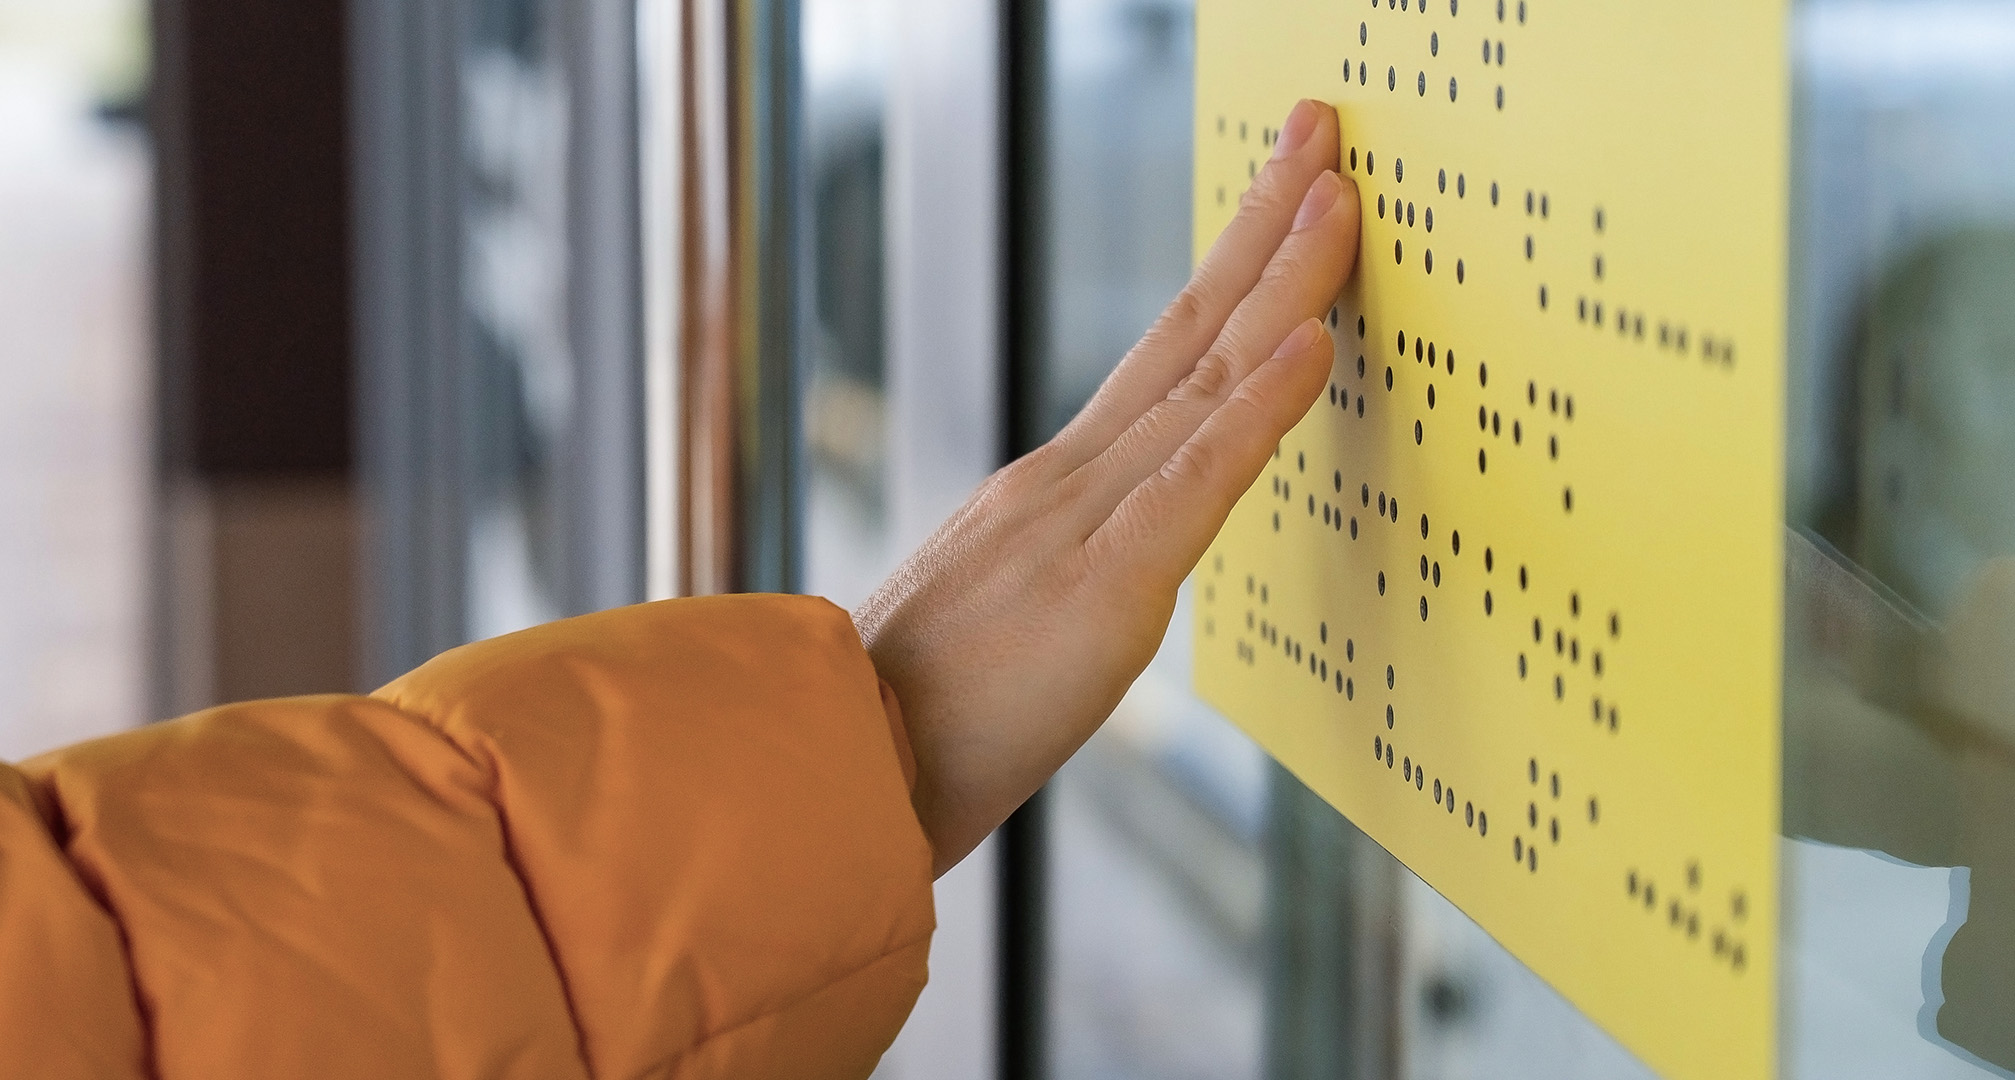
[
  {"x": 1300, "y": 124},
  {"x": 1321, "y": 196},
  {"x": 1300, "y": 340}
]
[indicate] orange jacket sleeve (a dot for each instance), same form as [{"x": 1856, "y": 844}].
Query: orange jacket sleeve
[{"x": 669, "y": 841}]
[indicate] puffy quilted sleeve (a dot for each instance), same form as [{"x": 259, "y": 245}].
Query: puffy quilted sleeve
[{"x": 672, "y": 841}]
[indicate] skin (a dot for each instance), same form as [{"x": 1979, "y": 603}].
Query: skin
[{"x": 1012, "y": 634}]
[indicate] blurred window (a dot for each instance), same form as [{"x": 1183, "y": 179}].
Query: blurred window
[{"x": 75, "y": 355}]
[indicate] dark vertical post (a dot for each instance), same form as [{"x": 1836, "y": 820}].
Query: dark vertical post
[{"x": 1024, "y": 878}]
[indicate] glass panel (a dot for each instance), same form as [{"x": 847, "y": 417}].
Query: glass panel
[
  {"x": 847, "y": 533},
  {"x": 1211, "y": 918},
  {"x": 75, "y": 320},
  {"x": 522, "y": 372},
  {"x": 1900, "y": 709}
]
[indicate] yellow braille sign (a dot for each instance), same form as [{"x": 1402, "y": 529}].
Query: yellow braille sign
[{"x": 1511, "y": 596}]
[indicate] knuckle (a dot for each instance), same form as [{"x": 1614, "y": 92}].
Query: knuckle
[{"x": 1211, "y": 379}]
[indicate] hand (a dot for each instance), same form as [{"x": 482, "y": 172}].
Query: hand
[{"x": 1013, "y": 632}]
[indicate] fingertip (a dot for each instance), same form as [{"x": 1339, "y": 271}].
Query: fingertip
[{"x": 1301, "y": 341}]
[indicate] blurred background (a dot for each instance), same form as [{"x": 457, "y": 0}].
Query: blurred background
[{"x": 340, "y": 332}]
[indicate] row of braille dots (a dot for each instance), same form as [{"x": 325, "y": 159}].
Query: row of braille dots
[
  {"x": 1428, "y": 353},
  {"x": 1292, "y": 649},
  {"x": 1362, "y": 70},
  {"x": 1490, "y": 423},
  {"x": 1415, "y": 774},
  {"x": 1243, "y": 648},
  {"x": 1339, "y": 395},
  {"x": 1267, "y": 137},
  {"x": 1526, "y": 850},
  {"x": 1454, "y": 7},
  {"x": 1404, "y": 212},
  {"x": 1683, "y": 914},
  {"x": 1566, "y": 641}
]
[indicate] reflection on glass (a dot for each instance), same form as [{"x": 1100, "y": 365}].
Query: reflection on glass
[
  {"x": 848, "y": 537},
  {"x": 1899, "y": 698},
  {"x": 515, "y": 283}
]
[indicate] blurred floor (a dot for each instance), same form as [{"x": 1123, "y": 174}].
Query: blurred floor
[{"x": 73, "y": 407}]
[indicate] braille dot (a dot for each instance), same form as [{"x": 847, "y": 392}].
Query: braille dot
[
  {"x": 1598, "y": 268},
  {"x": 1483, "y": 374},
  {"x": 1388, "y": 718},
  {"x": 1521, "y": 579},
  {"x": 1409, "y": 215},
  {"x": 1381, "y": 583},
  {"x": 1437, "y": 791},
  {"x": 1500, "y": 55},
  {"x": 1567, "y": 499},
  {"x": 1597, "y": 661},
  {"x": 1392, "y": 78},
  {"x": 1461, "y": 181},
  {"x": 1364, "y": 494},
  {"x": 1363, "y": 33},
  {"x": 1542, "y": 298},
  {"x": 1276, "y": 521},
  {"x": 1500, "y": 10},
  {"x": 1448, "y": 361},
  {"x": 1423, "y": 84},
  {"x": 1350, "y": 649},
  {"x": 1518, "y": 432},
  {"x": 1381, "y": 502},
  {"x": 1500, "y": 98},
  {"x": 1528, "y": 249},
  {"x": 1615, "y": 625},
  {"x": 1489, "y": 560},
  {"x": 1430, "y": 363},
  {"x": 1370, "y": 169},
  {"x": 1363, "y": 74},
  {"x": 1407, "y": 769},
  {"x": 1398, "y": 251},
  {"x": 1423, "y": 609},
  {"x": 1517, "y": 849},
  {"x": 1388, "y": 383},
  {"x": 1537, "y": 633},
  {"x": 1377, "y": 747},
  {"x": 1493, "y": 193},
  {"x": 1381, "y": 207},
  {"x": 1482, "y": 462},
  {"x": 1418, "y": 433},
  {"x": 1521, "y": 665},
  {"x": 1553, "y": 447},
  {"x": 1486, "y": 602},
  {"x": 1532, "y": 815},
  {"x": 1360, "y": 367},
  {"x": 1521, "y": 11},
  {"x": 1360, "y": 326},
  {"x": 1482, "y": 823},
  {"x": 1482, "y": 418},
  {"x": 1353, "y": 528},
  {"x": 1427, "y": 257},
  {"x": 1545, "y": 206},
  {"x": 1390, "y": 676},
  {"x": 1419, "y": 779},
  {"x": 1350, "y": 689},
  {"x": 1388, "y": 755}
]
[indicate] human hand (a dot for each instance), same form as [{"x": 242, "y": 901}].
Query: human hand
[{"x": 1013, "y": 632}]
